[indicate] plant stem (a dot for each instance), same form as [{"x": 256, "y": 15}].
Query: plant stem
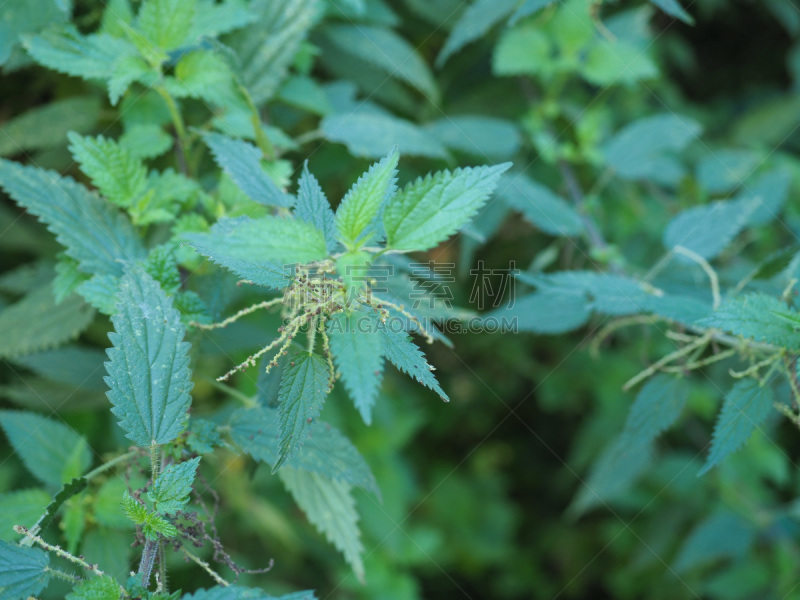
[
  {"x": 58, "y": 550},
  {"x": 62, "y": 575},
  {"x": 206, "y": 567},
  {"x": 146, "y": 563},
  {"x": 111, "y": 464},
  {"x": 182, "y": 144}
]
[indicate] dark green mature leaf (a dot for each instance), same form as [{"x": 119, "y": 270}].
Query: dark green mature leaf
[
  {"x": 50, "y": 450},
  {"x": 374, "y": 134},
  {"x": 726, "y": 169},
  {"x": 409, "y": 359},
  {"x": 312, "y": 206},
  {"x": 330, "y": 506},
  {"x": 642, "y": 149},
  {"x": 23, "y": 18},
  {"x": 237, "y": 592},
  {"x": 722, "y": 535},
  {"x": 269, "y": 242},
  {"x": 326, "y": 451},
  {"x": 46, "y": 126},
  {"x": 488, "y": 138},
  {"x": 756, "y": 316},
  {"x": 473, "y": 24},
  {"x": 431, "y": 209},
  {"x": 96, "y": 235},
  {"x": 120, "y": 177},
  {"x": 148, "y": 372},
  {"x": 528, "y": 8},
  {"x": 304, "y": 387},
  {"x": 38, "y": 322},
  {"x": 67, "y": 491},
  {"x": 357, "y": 348},
  {"x": 21, "y": 507},
  {"x": 657, "y": 406},
  {"x": 674, "y": 9},
  {"x": 361, "y": 205},
  {"x": 386, "y": 50},
  {"x": 171, "y": 489},
  {"x": 242, "y": 161},
  {"x": 546, "y": 210},
  {"x": 23, "y": 571},
  {"x": 681, "y": 309},
  {"x": 546, "y": 312},
  {"x": 746, "y": 406}
]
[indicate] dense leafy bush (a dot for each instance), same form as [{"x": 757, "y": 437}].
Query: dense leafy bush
[{"x": 195, "y": 338}]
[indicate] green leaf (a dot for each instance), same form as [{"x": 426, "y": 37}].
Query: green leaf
[
  {"x": 657, "y": 406},
  {"x": 643, "y": 149},
  {"x": 155, "y": 526},
  {"x": 756, "y": 316},
  {"x": 409, "y": 359},
  {"x": 330, "y": 506},
  {"x": 242, "y": 162},
  {"x": 523, "y": 50},
  {"x": 23, "y": 571},
  {"x": 357, "y": 347},
  {"x": 133, "y": 510},
  {"x": 237, "y": 592},
  {"x": 681, "y": 309},
  {"x": 258, "y": 249},
  {"x": 67, "y": 51},
  {"x": 46, "y": 126},
  {"x": 50, "y": 450},
  {"x": 746, "y": 406},
  {"x": 67, "y": 491},
  {"x": 21, "y": 507},
  {"x": 361, "y": 205},
  {"x": 674, "y": 9},
  {"x": 145, "y": 140},
  {"x": 212, "y": 19},
  {"x": 166, "y": 23},
  {"x": 546, "y": 311},
  {"x": 528, "y": 8},
  {"x": 375, "y": 134},
  {"x": 109, "y": 548},
  {"x": 722, "y": 535},
  {"x": 431, "y": 209},
  {"x": 726, "y": 169},
  {"x": 312, "y": 206},
  {"x": 96, "y": 588},
  {"x": 304, "y": 387},
  {"x": 106, "y": 506},
  {"x": 266, "y": 48},
  {"x": 38, "y": 322},
  {"x": 148, "y": 372},
  {"x": 118, "y": 175},
  {"x": 25, "y": 18},
  {"x": 94, "y": 234},
  {"x": 539, "y": 205},
  {"x": 172, "y": 487},
  {"x": 206, "y": 75},
  {"x": 384, "y": 49},
  {"x": 326, "y": 451},
  {"x": 477, "y": 135},
  {"x": 473, "y": 24}
]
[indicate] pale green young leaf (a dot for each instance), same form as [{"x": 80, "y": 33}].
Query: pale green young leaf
[
  {"x": 132, "y": 509},
  {"x": 172, "y": 487},
  {"x": 96, "y": 588},
  {"x": 127, "y": 70},
  {"x": 23, "y": 571},
  {"x": 148, "y": 372},
  {"x": 145, "y": 140},
  {"x": 166, "y": 23},
  {"x": 374, "y": 134},
  {"x": 155, "y": 525},
  {"x": 326, "y": 451},
  {"x": 545, "y": 312},
  {"x": 643, "y": 148},
  {"x": 757, "y": 316},
  {"x": 50, "y": 450},
  {"x": 258, "y": 249},
  {"x": 409, "y": 359},
  {"x": 357, "y": 347},
  {"x": 431, "y": 209},
  {"x": 242, "y": 162},
  {"x": 304, "y": 387},
  {"x": 213, "y": 18},
  {"x": 93, "y": 232},
  {"x": 746, "y": 406},
  {"x": 657, "y": 406},
  {"x": 361, "y": 205},
  {"x": 540, "y": 206},
  {"x": 477, "y": 135},
  {"x": 384, "y": 49},
  {"x": 522, "y": 50},
  {"x": 674, "y": 9},
  {"x": 86, "y": 56},
  {"x": 46, "y": 126},
  {"x": 312, "y": 206},
  {"x": 118, "y": 175},
  {"x": 21, "y": 507},
  {"x": 330, "y": 506},
  {"x": 473, "y": 24},
  {"x": 116, "y": 15},
  {"x": 37, "y": 322},
  {"x": 206, "y": 75},
  {"x": 266, "y": 48}
]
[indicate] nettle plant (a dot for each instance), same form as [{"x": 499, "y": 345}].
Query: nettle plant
[{"x": 337, "y": 323}]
